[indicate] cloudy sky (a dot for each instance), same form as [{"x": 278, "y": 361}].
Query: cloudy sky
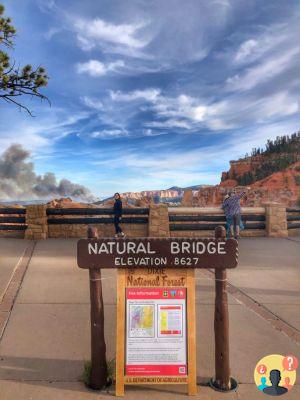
[{"x": 147, "y": 94}]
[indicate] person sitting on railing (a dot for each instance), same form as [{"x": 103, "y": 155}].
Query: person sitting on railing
[
  {"x": 232, "y": 209},
  {"x": 118, "y": 215}
]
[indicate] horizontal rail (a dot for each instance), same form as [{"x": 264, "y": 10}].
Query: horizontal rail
[
  {"x": 208, "y": 227},
  {"x": 212, "y": 218},
  {"x": 62, "y": 221},
  {"x": 213, "y": 210},
  {"x": 13, "y": 227},
  {"x": 293, "y": 218},
  {"x": 95, "y": 211},
  {"x": 18, "y": 220},
  {"x": 293, "y": 226},
  {"x": 190, "y": 218},
  {"x": 10, "y": 210},
  {"x": 288, "y": 210}
]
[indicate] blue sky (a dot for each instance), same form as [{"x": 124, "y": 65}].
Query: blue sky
[{"x": 149, "y": 94}]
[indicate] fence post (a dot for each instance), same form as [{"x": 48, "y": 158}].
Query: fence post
[
  {"x": 98, "y": 378},
  {"x": 36, "y": 220},
  {"x": 276, "y": 222},
  {"x": 158, "y": 221},
  {"x": 222, "y": 381}
]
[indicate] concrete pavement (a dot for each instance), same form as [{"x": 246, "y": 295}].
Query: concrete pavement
[
  {"x": 10, "y": 252},
  {"x": 47, "y": 339}
]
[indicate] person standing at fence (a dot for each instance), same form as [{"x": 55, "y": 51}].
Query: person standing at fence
[
  {"x": 118, "y": 215},
  {"x": 225, "y": 207},
  {"x": 232, "y": 208}
]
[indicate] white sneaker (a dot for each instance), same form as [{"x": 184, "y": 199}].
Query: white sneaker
[
  {"x": 116, "y": 236},
  {"x": 123, "y": 235}
]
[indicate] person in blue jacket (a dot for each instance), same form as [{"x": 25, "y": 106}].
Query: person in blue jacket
[
  {"x": 118, "y": 215},
  {"x": 232, "y": 209}
]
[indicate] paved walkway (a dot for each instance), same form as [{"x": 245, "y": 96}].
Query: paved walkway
[{"x": 46, "y": 339}]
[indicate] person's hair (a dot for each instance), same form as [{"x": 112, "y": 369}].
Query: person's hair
[{"x": 117, "y": 194}]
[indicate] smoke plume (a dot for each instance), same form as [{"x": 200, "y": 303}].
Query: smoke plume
[{"x": 18, "y": 180}]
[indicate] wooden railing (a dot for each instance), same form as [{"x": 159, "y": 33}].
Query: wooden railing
[
  {"x": 180, "y": 218},
  {"x": 293, "y": 218},
  {"x": 13, "y": 219},
  {"x": 208, "y": 218},
  {"x": 87, "y": 216}
]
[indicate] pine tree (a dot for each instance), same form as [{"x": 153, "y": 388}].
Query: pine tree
[{"x": 16, "y": 82}]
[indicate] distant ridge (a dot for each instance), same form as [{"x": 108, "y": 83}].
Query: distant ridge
[
  {"x": 171, "y": 195},
  {"x": 22, "y": 202}
]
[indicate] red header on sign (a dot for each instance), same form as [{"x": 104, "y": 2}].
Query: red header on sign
[{"x": 146, "y": 294}]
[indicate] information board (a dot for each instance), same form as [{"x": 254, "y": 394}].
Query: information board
[
  {"x": 156, "y": 338},
  {"x": 156, "y": 332}
]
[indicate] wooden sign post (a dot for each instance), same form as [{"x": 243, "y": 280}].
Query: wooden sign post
[
  {"x": 98, "y": 378},
  {"x": 156, "y": 334}
]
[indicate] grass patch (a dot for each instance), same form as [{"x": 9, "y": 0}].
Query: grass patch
[
  {"x": 111, "y": 372},
  {"x": 87, "y": 369}
]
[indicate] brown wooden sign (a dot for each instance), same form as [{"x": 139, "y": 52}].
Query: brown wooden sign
[{"x": 157, "y": 253}]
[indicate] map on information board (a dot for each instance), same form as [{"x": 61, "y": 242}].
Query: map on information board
[
  {"x": 156, "y": 332},
  {"x": 141, "y": 320}
]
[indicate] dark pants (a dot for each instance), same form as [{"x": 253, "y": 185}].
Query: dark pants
[
  {"x": 116, "y": 223},
  {"x": 236, "y": 219}
]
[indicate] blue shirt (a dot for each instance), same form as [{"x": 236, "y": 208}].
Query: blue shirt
[{"x": 231, "y": 206}]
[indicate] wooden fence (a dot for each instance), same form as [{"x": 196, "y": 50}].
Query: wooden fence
[
  {"x": 207, "y": 219},
  {"x": 87, "y": 216},
  {"x": 181, "y": 221},
  {"x": 12, "y": 219},
  {"x": 293, "y": 218}
]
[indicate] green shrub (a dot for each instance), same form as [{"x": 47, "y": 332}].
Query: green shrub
[
  {"x": 87, "y": 369},
  {"x": 111, "y": 372}
]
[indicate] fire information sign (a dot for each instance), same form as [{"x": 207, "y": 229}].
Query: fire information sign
[{"x": 156, "y": 332}]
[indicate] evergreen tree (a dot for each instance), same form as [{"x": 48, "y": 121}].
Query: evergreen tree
[{"x": 16, "y": 82}]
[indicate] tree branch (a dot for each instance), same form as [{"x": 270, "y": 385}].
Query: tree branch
[{"x": 8, "y": 99}]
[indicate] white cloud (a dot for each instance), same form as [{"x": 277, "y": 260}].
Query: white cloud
[
  {"x": 113, "y": 37},
  {"x": 263, "y": 72},
  {"x": 177, "y": 111},
  {"x": 189, "y": 113},
  {"x": 40, "y": 134},
  {"x": 146, "y": 94},
  {"x": 109, "y": 134},
  {"x": 280, "y": 104},
  {"x": 182, "y": 106},
  {"x": 246, "y": 50},
  {"x": 52, "y": 32},
  {"x": 275, "y": 38},
  {"x": 151, "y": 132},
  {"x": 169, "y": 123},
  {"x": 96, "y": 68},
  {"x": 92, "y": 103},
  {"x": 235, "y": 112}
]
